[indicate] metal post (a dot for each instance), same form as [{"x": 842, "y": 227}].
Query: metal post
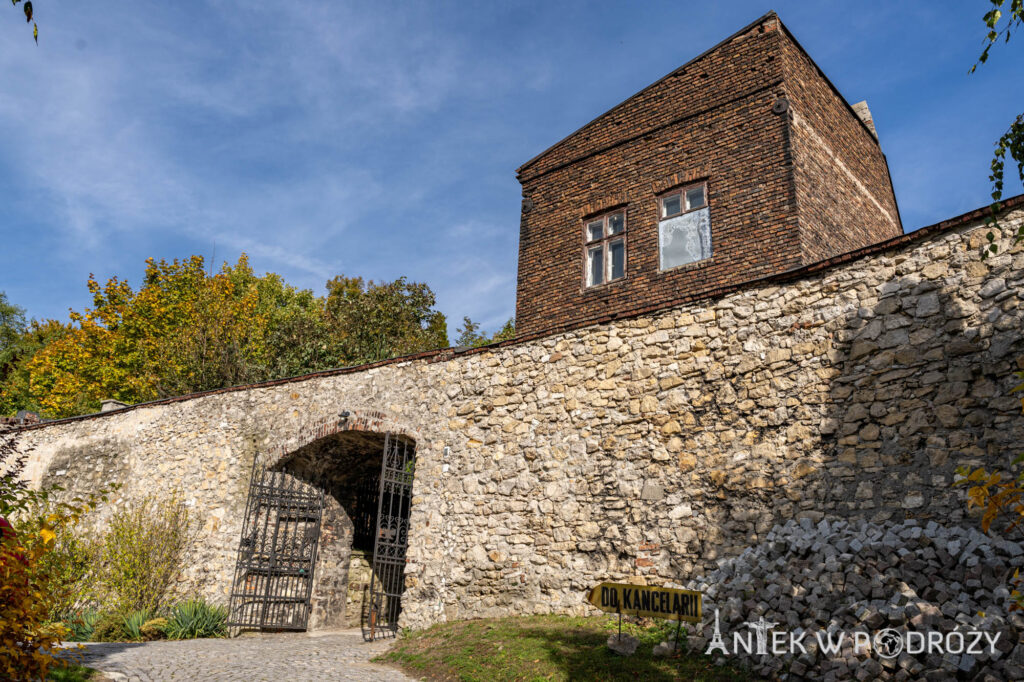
[{"x": 679, "y": 626}]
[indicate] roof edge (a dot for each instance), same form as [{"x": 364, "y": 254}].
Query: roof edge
[
  {"x": 748, "y": 27},
  {"x": 769, "y": 14},
  {"x": 828, "y": 81}
]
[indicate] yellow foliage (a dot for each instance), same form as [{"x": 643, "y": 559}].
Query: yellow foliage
[
  {"x": 187, "y": 330},
  {"x": 47, "y": 535},
  {"x": 1000, "y": 497},
  {"x": 183, "y": 331},
  {"x": 27, "y": 638}
]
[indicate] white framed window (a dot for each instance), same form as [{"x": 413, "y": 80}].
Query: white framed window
[
  {"x": 604, "y": 248},
  {"x": 684, "y": 226}
]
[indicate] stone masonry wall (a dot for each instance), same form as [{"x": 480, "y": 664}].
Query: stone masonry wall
[{"x": 645, "y": 449}]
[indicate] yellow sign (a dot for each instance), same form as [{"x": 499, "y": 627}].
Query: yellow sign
[{"x": 645, "y": 600}]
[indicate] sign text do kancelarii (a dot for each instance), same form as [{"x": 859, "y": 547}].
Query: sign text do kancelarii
[{"x": 646, "y": 600}]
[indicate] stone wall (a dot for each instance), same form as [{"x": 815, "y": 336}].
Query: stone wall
[
  {"x": 360, "y": 571},
  {"x": 646, "y": 449}
]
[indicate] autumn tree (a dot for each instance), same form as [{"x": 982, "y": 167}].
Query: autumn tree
[
  {"x": 1012, "y": 141},
  {"x": 186, "y": 330},
  {"x": 19, "y": 341},
  {"x": 15, "y": 381},
  {"x": 367, "y": 321},
  {"x": 12, "y": 326}
]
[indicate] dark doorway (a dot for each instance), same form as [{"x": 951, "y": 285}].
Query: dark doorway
[{"x": 343, "y": 471}]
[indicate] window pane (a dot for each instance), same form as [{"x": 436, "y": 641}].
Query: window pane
[
  {"x": 595, "y": 230},
  {"x": 695, "y": 197},
  {"x": 670, "y": 206},
  {"x": 595, "y": 266},
  {"x": 616, "y": 223},
  {"x": 685, "y": 239},
  {"x": 616, "y": 259}
]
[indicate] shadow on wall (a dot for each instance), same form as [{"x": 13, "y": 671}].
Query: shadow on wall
[
  {"x": 903, "y": 393},
  {"x": 924, "y": 387}
]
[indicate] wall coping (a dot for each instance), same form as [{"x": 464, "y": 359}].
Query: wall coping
[{"x": 936, "y": 230}]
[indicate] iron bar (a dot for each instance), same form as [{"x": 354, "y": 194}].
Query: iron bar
[
  {"x": 392, "y": 538},
  {"x": 277, "y": 552}
]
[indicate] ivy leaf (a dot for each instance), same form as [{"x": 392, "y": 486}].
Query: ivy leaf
[
  {"x": 35, "y": 33},
  {"x": 28, "y": 12}
]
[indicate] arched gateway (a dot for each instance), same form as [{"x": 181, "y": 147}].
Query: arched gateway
[{"x": 325, "y": 531}]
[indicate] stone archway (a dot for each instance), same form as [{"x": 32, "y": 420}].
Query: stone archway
[
  {"x": 346, "y": 466},
  {"x": 342, "y": 459}
]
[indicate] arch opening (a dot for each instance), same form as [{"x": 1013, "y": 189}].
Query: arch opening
[
  {"x": 314, "y": 568},
  {"x": 346, "y": 466}
]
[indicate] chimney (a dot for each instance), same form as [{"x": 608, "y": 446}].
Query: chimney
[
  {"x": 864, "y": 114},
  {"x": 111, "y": 405}
]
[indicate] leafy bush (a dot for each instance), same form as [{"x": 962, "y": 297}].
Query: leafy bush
[
  {"x": 154, "y": 629},
  {"x": 69, "y": 564},
  {"x": 142, "y": 553},
  {"x": 80, "y": 625},
  {"x": 196, "y": 618},
  {"x": 110, "y": 627},
  {"x": 134, "y": 621},
  {"x": 30, "y": 521}
]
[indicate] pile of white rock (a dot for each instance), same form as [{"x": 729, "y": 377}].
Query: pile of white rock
[{"x": 815, "y": 582}]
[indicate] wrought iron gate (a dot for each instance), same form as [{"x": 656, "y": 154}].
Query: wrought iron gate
[
  {"x": 381, "y": 610},
  {"x": 276, "y": 554}
]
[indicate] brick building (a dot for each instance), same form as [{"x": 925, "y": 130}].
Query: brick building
[{"x": 742, "y": 163}]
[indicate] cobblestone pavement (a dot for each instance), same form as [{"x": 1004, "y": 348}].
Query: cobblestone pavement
[{"x": 339, "y": 655}]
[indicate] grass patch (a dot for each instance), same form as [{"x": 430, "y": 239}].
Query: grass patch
[
  {"x": 71, "y": 673},
  {"x": 544, "y": 648}
]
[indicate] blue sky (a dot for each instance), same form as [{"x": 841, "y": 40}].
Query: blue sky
[{"x": 381, "y": 139}]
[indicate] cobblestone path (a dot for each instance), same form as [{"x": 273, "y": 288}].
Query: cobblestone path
[{"x": 340, "y": 655}]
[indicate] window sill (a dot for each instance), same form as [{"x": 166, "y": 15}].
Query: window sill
[
  {"x": 696, "y": 265},
  {"x": 606, "y": 286}
]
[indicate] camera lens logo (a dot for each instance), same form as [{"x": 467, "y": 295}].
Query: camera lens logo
[{"x": 888, "y": 643}]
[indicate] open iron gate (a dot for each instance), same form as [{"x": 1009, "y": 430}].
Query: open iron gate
[
  {"x": 398, "y": 468},
  {"x": 276, "y": 554}
]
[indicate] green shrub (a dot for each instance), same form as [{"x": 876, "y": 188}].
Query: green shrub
[
  {"x": 134, "y": 621},
  {"x": 110, "y": 628},
  {"x": 70, "y": 563},
  {"x": 154, "y": 629},
  {"x": 196, "y": 618},
  {"x": 80, "y": 625},
  {"x": 142, "y": 553}
]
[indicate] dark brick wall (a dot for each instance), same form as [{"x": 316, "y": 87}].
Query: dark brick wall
[
  {"x": 747, "y": 62},
  {"x": 710, "y": 120},
  {"x": 843, "y": 191}
]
